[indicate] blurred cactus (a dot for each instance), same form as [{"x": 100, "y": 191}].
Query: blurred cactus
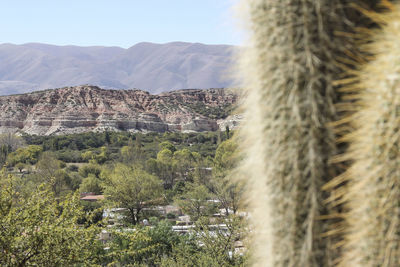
[
  {"x": 372, "y": 236},
  {"x": 298, "y": 49}
]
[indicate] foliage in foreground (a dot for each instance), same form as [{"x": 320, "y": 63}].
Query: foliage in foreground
[
  {"x": 160, "y": 246},
  {"x": 41, "y": 231},
  {"x": 142, "y": 245},
  {"x": 210, "y": 245},
  {"x": 136, "y": 174}
]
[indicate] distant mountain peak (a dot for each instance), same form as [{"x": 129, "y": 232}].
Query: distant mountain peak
[{"x": 153, "y": 67}]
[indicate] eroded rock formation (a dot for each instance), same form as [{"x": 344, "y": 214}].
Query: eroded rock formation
[{"x": 90, "y": 108}]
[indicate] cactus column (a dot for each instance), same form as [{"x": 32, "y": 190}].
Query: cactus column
[
  {"x": 289, "y": 70},
  {"x": 373, "y": 188}
]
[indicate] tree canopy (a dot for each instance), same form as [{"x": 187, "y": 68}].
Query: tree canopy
[
  {"x": 133, "y": 188},
  {"x": 43, "y": 232}
]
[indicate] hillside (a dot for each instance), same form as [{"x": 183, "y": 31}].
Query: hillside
[
  {"x": 153, "y": 67},
  {"x": 89, "y": 108}
]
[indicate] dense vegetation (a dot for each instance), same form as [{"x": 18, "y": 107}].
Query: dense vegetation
[
  {"x": 44, "y": 178},
  {"x": 218, "y": 112}
]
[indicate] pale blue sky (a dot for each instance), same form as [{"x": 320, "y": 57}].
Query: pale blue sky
[{"x": 117, "y": 22}]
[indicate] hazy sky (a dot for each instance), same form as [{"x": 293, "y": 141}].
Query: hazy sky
[{"x": 117, "y": 22}]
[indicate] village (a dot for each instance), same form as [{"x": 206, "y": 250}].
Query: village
[{"x": 180, "y": 223}]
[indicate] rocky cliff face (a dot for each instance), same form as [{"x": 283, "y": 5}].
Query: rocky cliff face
[{"x": 89, "y": 108}]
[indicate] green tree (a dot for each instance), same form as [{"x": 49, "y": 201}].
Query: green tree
[
  {"x": 152, "y": 166},
  {"x": 91, "y": 168},
  {"x": 96, "y": 157},
  {"x": 184, "y": 162},
  {"x": 87, "y": 155},
  {"x": 144, "y": 245},
  {"x": 128, "y": 153},
  {"x": 226, "y": 157},
  {"x": 228, "y": 190},
  {"x": 49, "y": 171},
  {"x": 91, "y": 184},
  {"x": 132, "y": 153},
  {"x": 166, "y": 168},
  {"x": 210, "y": 245},
  {"x": 134, "y": 189},
  {"x": 219, "y": 240},
  {"x": 103, "y": 156},
  {"x": 195, "y": 201},
  {"x": 4, "y": 151},
  {"x": 165, "y": 156},
  {"x": 107, "y": 138},
  {"x": 39, "y": 231},
  {"x": 8, "y": 144},
  {"x": 167, "y": 145},
  {"x": 11, "y": 140},
  {"x": 29, "y": 154}
]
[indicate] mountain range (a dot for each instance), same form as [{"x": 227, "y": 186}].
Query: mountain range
[
  {"x": 152, "y": 67},
  {"x": 88, "y": 108}
]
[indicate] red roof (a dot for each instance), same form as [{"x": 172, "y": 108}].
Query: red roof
[{"x": 93, "y": 197}]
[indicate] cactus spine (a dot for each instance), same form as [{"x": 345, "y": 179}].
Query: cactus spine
[
  {"x": 289, "y": 71},
  {"x": 373, "y": 181}
]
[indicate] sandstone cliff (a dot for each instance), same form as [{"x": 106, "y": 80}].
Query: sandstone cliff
[{"x": 89, "y": 108}]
